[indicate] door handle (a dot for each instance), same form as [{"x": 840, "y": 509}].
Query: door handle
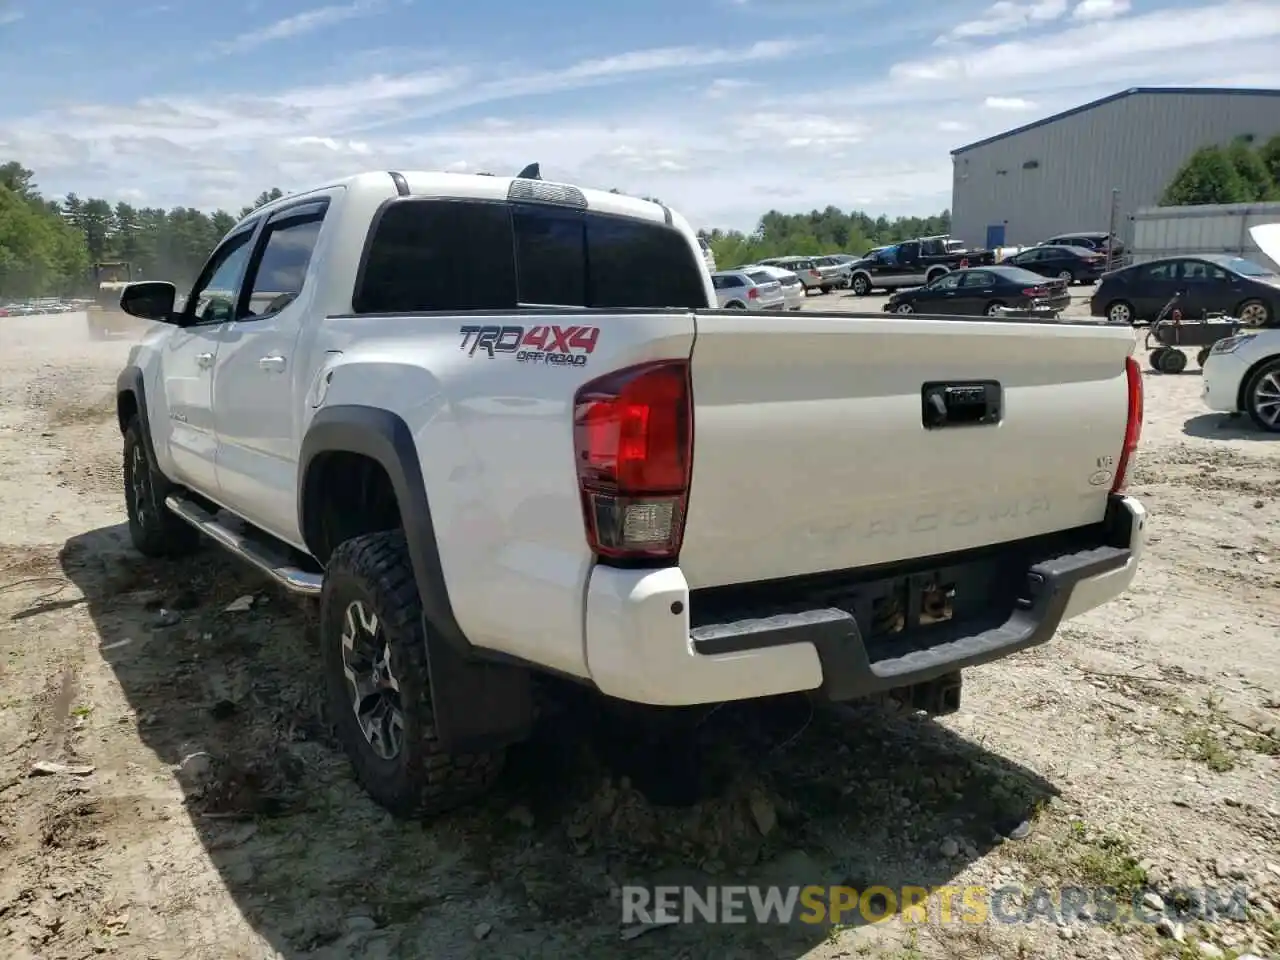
[
  {"x": 272, "y": 364},
  {"x": 204, "y": 360}
]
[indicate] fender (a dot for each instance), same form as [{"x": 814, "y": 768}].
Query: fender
[
  {"x": 479, "y": 704},
  {"x": 131, "y": 381}
]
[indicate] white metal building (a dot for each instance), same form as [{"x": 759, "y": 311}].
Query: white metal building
[{"x": 1057, "y": 175}]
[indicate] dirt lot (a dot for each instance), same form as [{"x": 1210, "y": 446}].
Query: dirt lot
[{"x": 168, "y": 787}]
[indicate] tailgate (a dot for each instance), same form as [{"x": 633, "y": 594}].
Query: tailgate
[{"x": 810, "y": 451}]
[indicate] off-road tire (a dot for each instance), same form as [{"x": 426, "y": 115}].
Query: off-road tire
[
  {"x": 153, "y": 529},
  {"x": 423, "y": 780}
]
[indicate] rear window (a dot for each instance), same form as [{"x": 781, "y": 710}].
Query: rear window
[
  {"x": 759, "y": 276},
  {"x": 467, "y": 255}
]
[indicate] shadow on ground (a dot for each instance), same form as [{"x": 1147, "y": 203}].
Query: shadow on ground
[
  {"x": 784, "y": 794},
  {"x": 1222, "y": 426}
]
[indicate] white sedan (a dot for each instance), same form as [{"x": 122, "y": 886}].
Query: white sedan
[{"x": 1242, "y": 375}]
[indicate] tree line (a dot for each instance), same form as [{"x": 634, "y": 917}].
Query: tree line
[
  {"x": 1239, "y": 172},
  {"x": 47, "y": 246},
  {"x": 820, "y": 231}
]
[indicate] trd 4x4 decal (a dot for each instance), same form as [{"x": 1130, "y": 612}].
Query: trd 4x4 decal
[{"x": 559, "y": 346}]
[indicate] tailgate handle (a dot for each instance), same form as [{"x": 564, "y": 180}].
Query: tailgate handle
[{"x": 958, "y": 404}]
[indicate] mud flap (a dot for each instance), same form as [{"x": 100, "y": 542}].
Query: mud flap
[{"x": 479, "y": 705}]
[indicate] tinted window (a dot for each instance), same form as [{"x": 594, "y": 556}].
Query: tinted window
[
  {"x": 978, "y": 278},
  {"x": 460, "y": 255},
  {"x": 214, "y": 299},
  {"x": 279, "y": 274},
  {"x": 947, "y": 282},
  {"x": 1245, "y": 267},
  {"x": 1168, "y": 270},
  {"x": 637, "y": 263},
  {"x": 439, "y": 255},
  {"x": 759, "y": 276},
  {"x": 551, "y": 255},
  {"x": 1014, "y": 275}
]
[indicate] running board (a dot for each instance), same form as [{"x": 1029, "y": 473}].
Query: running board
[{"x": 261, "y": 555}]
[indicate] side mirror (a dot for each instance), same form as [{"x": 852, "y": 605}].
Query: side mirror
[{"x": 150, "y": 300}]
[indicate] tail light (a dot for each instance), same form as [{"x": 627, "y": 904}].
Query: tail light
[
  {"x": 753, "y": 293},
  {"x": 1035, "y": 292},
  {"x": 1132, "y": 425},
  {"x": 633, "y": 441}
]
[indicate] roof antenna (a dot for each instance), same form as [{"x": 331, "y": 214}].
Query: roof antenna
[{"x": 531, "y": 172}]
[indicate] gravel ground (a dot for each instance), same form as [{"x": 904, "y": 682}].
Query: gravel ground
[{"x": 197, "y": 808}]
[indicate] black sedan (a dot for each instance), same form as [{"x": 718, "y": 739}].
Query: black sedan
[
  {"x": 1209, "y": 283},
  {"x": 1072, "y": 264},
  {"x": 981, "y": 291}
]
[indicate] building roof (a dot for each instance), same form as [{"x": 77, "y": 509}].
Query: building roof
[{"x": 1132, "y": 91}]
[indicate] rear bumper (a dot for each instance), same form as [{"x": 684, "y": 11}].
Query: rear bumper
[{"x": 642, "y": 645}]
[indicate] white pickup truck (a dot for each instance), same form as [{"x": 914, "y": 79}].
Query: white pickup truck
[{"x": 495, "y": 427}]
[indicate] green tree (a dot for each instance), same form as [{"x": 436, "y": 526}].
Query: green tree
[
  {"x": 1269, "y": 154},
  {"x": 1253, "y": 172},
  {"x": 1208, "y": 176}
]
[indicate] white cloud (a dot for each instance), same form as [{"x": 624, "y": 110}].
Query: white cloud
[
  {"x": 1100, "y": 9},
  {"x": 1006, "y": 16},
  {"x": 10, "y": 15},
  {"x": 1007, "y": 103},
  {"x": 309, "y": 21},
  {"x": 880, "y": 143},
  {"x": 727, "y": 86}
]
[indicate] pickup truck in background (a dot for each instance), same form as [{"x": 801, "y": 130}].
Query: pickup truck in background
[
  {"x": 913, "y": 263},
  {"x": 406, "y": 396}
]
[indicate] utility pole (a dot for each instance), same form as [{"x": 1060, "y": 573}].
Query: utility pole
[{"x": 1111, "y": 227}]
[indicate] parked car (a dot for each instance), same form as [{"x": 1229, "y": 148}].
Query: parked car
[
  {"x": 747, "y": 290},
  {"x": 809, "y": 273},
  {"x": 708, "y": 257},
  {"x": 1072, "y": 264},
  {"x": 1098, "y": 240},
  {"x": 793, "y": 291},
  {"x": 912, "y": 263},
  {"x": 1242, "y": 373},
  {"x": 843, "y": 266},
  {"x": 1209, "y": 283},
  {"x": 981, "y": 291}
]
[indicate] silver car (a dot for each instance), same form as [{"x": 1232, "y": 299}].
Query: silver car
[
  {"x": 747, "y": 289},
  {"x": 793, "y": 288}
]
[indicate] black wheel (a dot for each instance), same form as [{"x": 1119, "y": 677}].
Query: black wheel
[
  {"x": 1254, "y": 313},
  {"x": 1154, "y": 358},
  {"x": 735, "y": 305},
  {"x": 154, "y": 530},
  {"x": 1262, "y": 396},
  {"x": 1202, "y": 356},
  {"x": 375, "y": 657},
  {"x": 861, "y": 285},
  {"x": 1172, "y": 361},
  {"x": 826, "y": 288},
  {"x": 993, "y": 307},
  {"x": 904, "y": 308},
  {"x": 1068, "y": 276},
  {"x": 1120, "y": 312}
]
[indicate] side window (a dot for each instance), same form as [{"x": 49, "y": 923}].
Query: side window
[
  {"x": 638, "y": 263},
  {"x": 1161, "y": 271},
  {"x": 428, "y": 255},
  {"x": 947, "y": 282},
  {"x": 978, "y": 278},
  {"x": 276, "y": 279},
  {"x": 718, "y": 282},
  {"x": 908, "y": 252},
  {"x": 213, "y": 298},
  {"x": 733, "y": 280}
]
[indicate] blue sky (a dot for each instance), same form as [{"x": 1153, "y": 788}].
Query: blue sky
[{"x": 723, "y": 108}]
